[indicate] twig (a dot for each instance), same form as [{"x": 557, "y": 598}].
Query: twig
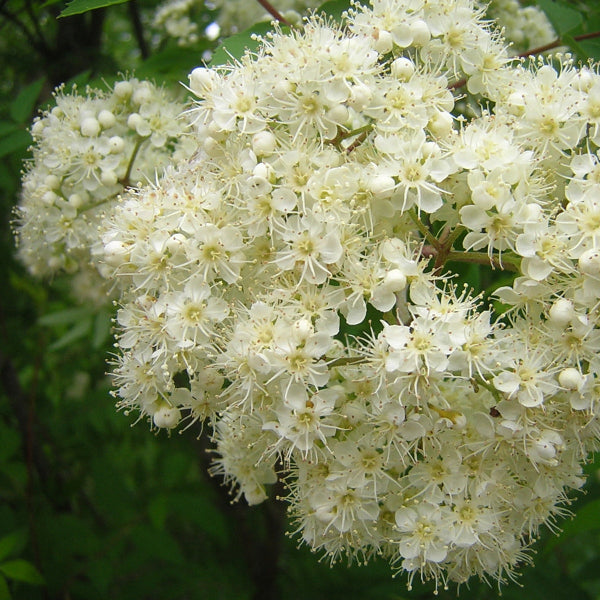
[
  {"x": 273, "y": 12},
  {"x": 138, "y": 28},
  {"x": 555, "y": 44}
]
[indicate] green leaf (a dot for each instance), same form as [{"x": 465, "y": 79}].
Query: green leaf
[
  {"x": 79, "y": 331},
  {"x": 4, "y": 591},
  {"x": 158, "y": 511},
  {"x": 14, "y": 142},
  {"x": 21, "y": 570},
  {"x": 7, "y": 127},
  {"x": 575, "y": 46},
  {"x": 101, "y": 331},
  {"x": 12, "y": 543},
  {"x": 234, "y": 47},
  {"x": 591, "y": 48},
  {"x": 22, "y": 107},
  {"x": 586, "y": 519},
  {"x": 64, "y": 317},
  {"x": 77, "y": 7},
  {"x": 172, "y": 64},
  {"x": 562, "y": 17},
  {"x": 199, "y": 509},
  {"x": 335, "y": 9}
]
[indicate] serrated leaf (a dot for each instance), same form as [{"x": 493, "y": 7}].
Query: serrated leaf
[
  {"x": 22, "y": 570},
  {"x": 12, "y": 543},
  {"x": 74, "y": 334},
  {"x": 562, "y": 17},
  {"x": 4, "y": 591},
  {"x": 64, "y": 317},
  {"x": 77, "y": 7},
  {"x": 22, "y": 107},
  {"x": 15, "y": 142},
  {"x": 234, "y": 47}
]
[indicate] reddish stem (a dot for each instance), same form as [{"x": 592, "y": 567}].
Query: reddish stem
[
  {"x": 555, "y": 44},
  {"x": 273, "y": 11}
]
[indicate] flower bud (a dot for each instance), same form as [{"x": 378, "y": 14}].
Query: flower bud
[
  {"x": 395, "y": 280},
  {"x": 338, "y": 114},
  {"x": 115, "y": 253},
  {"x": 49, "y": 198},
  {"x": 403, "y": 68},
  {"x": 589, "y": 262},
  {"x": 264, "y": 143},
  {"x": 570, "y": 379},
  {"x": 76, "y": 201},
  {"x": 116, "y": 144},
  {"x": 106, "y": 118},
  {"x": 123, "y": 89},
  {"x": 142, "y": 95},
  {"x": 201, "y": 80},
  {"x": 561, "y": 312},
  {"x": 384, "y": 42},
  {"x": 420, "y": 32},
  {"x": 441, "y": 124},
  {"x": 167, "y": 417},
  {"x": 90, "y": 127},
  {"x": 360, "y": 96},
  {"x": 109, "y": 177},
  {"x": 382, "y": 186}
]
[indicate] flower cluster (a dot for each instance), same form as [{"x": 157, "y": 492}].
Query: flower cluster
[
  {"x": 526, "y": 27},
  {"x": 175, "y": 18},
  {"x": 292, "y": 284},
  {"x": 87, "y": 149},
  {"x": 172, "y": 19}
]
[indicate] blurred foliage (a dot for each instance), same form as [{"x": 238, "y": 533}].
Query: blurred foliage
[{"x": 92, "y": 508}]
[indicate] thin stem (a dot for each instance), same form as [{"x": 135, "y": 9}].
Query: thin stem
[
  {"x": 125, "y": 180},
  {"x": 357, "y": 142},
  {"x": 138, "y": 28},
  {"x": 36, "y": 25},
  {"x": 507, "y": 263},
  {"x": 558, "y": 42},
  {"x": 344, "y": 135},
  {"x": 273, "y": 12},
  {"x": 426, "y": 233},
  {"x": 346, "y": 360},
  {"x": 555, "y": 44},
  {"x": 478, "y": 380}
]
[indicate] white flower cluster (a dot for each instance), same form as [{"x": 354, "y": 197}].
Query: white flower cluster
[
  {"x": 526, "y": 27},
  {"x": 87, "y": 149},
  {"x": 173, "y": 20},
  {"x": 292, "y": 283}
]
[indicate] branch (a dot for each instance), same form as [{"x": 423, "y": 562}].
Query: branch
[
  {"x": 39, "y": 47},
  {"x": 558, "y": 42},
  {"x": 273, "y": 12},
  {"x": 555, "y": 44},
  {"x": 138, "y": 28}
]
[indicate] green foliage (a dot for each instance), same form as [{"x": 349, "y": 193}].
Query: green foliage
[
  {"x": 77, "y": 7},
  {"x": 571, "y": 23},
  {"x": 234, "y": 47},
  {"x": 92, "y": 508}
]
